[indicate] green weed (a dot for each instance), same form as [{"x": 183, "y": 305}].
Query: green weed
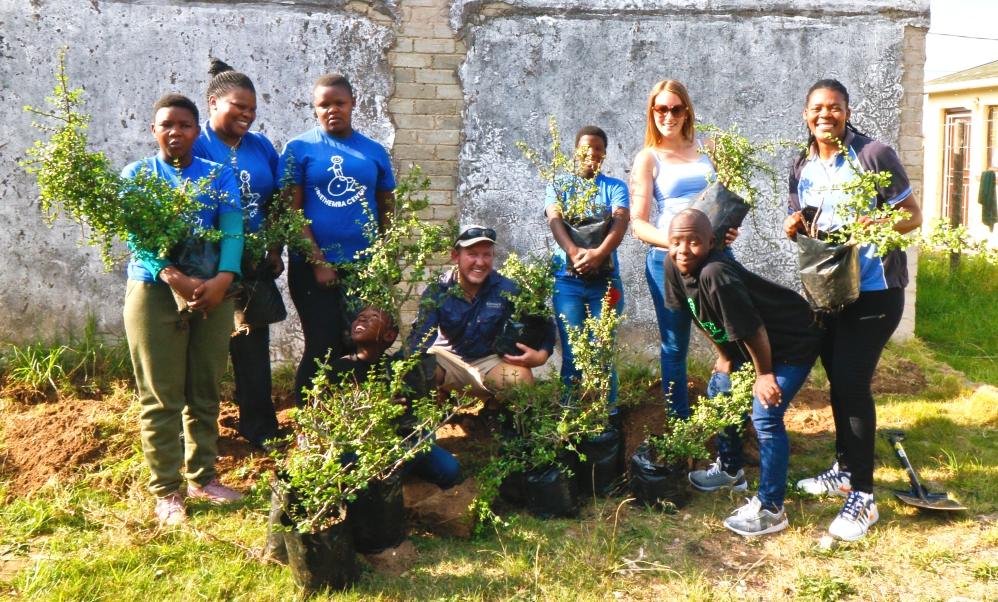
[
  {"x": 824, "y": 588},
  {"x": 985, "y": 571}
]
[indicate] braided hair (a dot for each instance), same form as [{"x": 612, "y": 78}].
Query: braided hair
[
  {"x": 835, "y": 86},
  {"x": 225, "y": 78}
]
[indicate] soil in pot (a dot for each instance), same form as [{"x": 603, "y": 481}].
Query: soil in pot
[
  {"x": 603, "y": 470},
  {"x": 657, "y": 485},
  {"x": 529, "y": 330},
  {"x": 550, "y": 492},
  {"x": 378, "y": 516}
]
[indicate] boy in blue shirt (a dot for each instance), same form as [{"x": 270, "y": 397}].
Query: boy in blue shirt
[{"x": 580, "y": 282}]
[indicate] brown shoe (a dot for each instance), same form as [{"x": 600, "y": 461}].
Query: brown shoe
[{"x": 214, "y": 492}]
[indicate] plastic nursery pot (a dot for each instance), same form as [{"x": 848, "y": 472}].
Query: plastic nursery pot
[
  {"x": 829, "y": 272},
  {"x": 260, "y": 303},
  {"x": 324, "y": 559},
  {"x": 529, "y": 330},
  {"x": 590, "y": 234},
  {"x": 656, "y": 485},
  {"x": 724, "y": 208},
  {"x": 550, "y": 492},
  {"x": 513, "y": 488},
  {"x": 276, "y": 548},
  {"x": 378, "y": 516},
  {"x": 603, "y": 470},
  {"x": 198, "y": 258}
]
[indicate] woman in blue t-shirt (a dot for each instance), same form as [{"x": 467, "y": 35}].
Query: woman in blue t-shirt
[
  {"x": 856, "y": 335},
  {"x": 343, "y": 181},
  {"x": 251, "y": 157},
  {"x": 579, "y": 291},
  {"x": 179, "y": 356},
  {"x": 670, "y": 170}
]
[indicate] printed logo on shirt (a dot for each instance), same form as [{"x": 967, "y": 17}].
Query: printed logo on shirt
[
  {"x": 250, "y": 200},
  {"x": 493, "y": 305},
  {"x": 342, "y": 190},
  {"x": 716, "y": 334}
]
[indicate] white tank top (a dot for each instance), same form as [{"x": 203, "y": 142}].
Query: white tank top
[{"x": 677, "y": 184}]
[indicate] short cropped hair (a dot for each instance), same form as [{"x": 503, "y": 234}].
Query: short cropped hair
[{"x": 176, "y": 100}]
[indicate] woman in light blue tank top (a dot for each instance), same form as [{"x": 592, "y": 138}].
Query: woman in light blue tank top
[{"x": 671, "y": 170}]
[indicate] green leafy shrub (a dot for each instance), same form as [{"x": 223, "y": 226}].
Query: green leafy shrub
[
  {"x": 283, "y": 226},
  {"x": 594, "y": 347},
  {"x": 576, "y": 195},
  {"x": 738, "y": 162},
  {"x": 535, "y": 280},
  {"x": 687, "y": 438}
]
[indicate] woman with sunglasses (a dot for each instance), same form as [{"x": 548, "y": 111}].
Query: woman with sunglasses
[
  {"x": 343, "y": 181},
  {"x": 226, "y": 139},
  {"x": 856, "y": 335},
  {"x": 669, "y": 171}
]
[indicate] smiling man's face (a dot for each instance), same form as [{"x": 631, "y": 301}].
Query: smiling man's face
[
  {"x": 690, "y": 240},
  {"x": 474, "y": 263}
]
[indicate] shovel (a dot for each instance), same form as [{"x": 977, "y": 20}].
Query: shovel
[{"x": 918, "y": 495}]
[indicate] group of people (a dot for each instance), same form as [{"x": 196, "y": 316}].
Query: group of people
[{"x": 329, "y": 171}]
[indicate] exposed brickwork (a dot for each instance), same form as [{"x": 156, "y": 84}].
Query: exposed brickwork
[{"x": 910, "y": 151}]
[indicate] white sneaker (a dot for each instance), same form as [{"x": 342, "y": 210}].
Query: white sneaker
[
  {"x": 831, "y": 482},
  {"x": 855, "y": 518},
  {"x": 751, "y": 520}
]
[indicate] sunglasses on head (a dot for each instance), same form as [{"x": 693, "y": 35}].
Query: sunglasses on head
[
  {"x": 470, "y": 233},
  {"x": 663, "y": 110}
]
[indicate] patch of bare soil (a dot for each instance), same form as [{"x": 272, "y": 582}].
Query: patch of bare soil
[
  {"x": 48, "y": 440},
  {"x": 393, "y": 561},
  {"x": 900, "y": 376},
  {"x": 444, "y": 512},
  {"x": 649, "y": 417}
]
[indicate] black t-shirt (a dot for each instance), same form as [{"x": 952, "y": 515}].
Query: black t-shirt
[
  {"x": 730, "y": 303},
  {"x": 351, "y": 365}
]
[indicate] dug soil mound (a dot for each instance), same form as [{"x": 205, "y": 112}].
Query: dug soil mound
[
  {"x": 50, "y": 440},
  {"x": 648, "y": 417},
  {"x": 900, "y": 376}
]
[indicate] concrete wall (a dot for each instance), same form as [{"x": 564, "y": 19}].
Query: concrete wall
[{"x": 450, "y": 86}]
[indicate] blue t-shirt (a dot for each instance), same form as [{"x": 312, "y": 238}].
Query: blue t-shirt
[
  {"x": 254, "y": 166},
  {"x": 222, "y": 198},
  {"x": 611, "y": 193},
  {"x": 339, "y": 177},
  {"x": 813, "y": 180}
]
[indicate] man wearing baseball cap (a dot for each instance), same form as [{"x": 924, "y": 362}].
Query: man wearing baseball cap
[{"x": 460, "y": 317}]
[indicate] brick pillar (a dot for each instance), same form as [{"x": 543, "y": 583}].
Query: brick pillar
[
  {"x": 910, "y": 152},
  {"x": 428, "y": 100}
]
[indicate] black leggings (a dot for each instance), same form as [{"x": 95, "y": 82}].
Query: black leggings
[
  {"x": 321, "y": 323},
  {"x": 853, "y": 342}
]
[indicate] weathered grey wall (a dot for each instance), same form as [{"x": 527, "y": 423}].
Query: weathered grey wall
[
  {"x": 749, "y": 63},
  {"x": 125, "y": 56}
]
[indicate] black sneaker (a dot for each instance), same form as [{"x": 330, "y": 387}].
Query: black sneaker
[{"x": 491, "y": 420}]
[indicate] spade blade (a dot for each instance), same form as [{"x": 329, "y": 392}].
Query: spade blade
[{"x": 931, "y": 501}]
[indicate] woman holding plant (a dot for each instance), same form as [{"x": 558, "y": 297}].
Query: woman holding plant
[
  {"x": 584, "y": 276},
  {"x": 827, "y": 185},
  {"x": 671, "y": 170},
  {"x": 180, "y": 356},
  {"x": 225, "y": 139},
  {"x": 343, "y": 181}
]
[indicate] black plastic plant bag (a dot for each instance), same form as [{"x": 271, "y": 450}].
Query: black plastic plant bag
[
  {"x": 513, "y": 488},
  {"x": 829, "y": 272},
  {"x": 326, "y": 558},
  {"x": 590, "y": 234},
  {"x": 199, "y": 258},
  {"x": 550, "y": 492},
  {"x": 602, "y": 472},
  {"x": 378, "y": 515},
  {"x": 260, "y": 303},
  {"x": 724, "y": 208},
  {"x": 656, "y": 485},
  {"x": 276, "y": 548},
  {"x": 529, "y": 330}
]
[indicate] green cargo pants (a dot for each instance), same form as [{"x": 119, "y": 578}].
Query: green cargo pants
[{"x": 179, "y": 361}]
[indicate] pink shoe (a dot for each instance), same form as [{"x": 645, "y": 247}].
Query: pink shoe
[
  {"x": 214, "y": 492},
  {"x": 170, "y": 510}
]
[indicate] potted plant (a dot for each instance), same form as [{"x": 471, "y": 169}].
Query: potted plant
[
  {"x": 829, "y": 261},
  {"x": 529, "y": 320},
  {"x": 587, "y": 220},
  {"x": 659, "y": 467},
  {"x": 601, "y": 453},
  {"x": 346, "y": 438},
  {"x": 732, "y": 192}
]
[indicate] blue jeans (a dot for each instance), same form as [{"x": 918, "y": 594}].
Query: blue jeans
[
  {"x": 575, "y": 299},
  {"x": 674, "y": 328},
  {"x": 435, "y": 465},
  {"x": 774, "y": 445}
]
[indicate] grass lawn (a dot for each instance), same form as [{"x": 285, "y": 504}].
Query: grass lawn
[{"x": 92, "y": 535}]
